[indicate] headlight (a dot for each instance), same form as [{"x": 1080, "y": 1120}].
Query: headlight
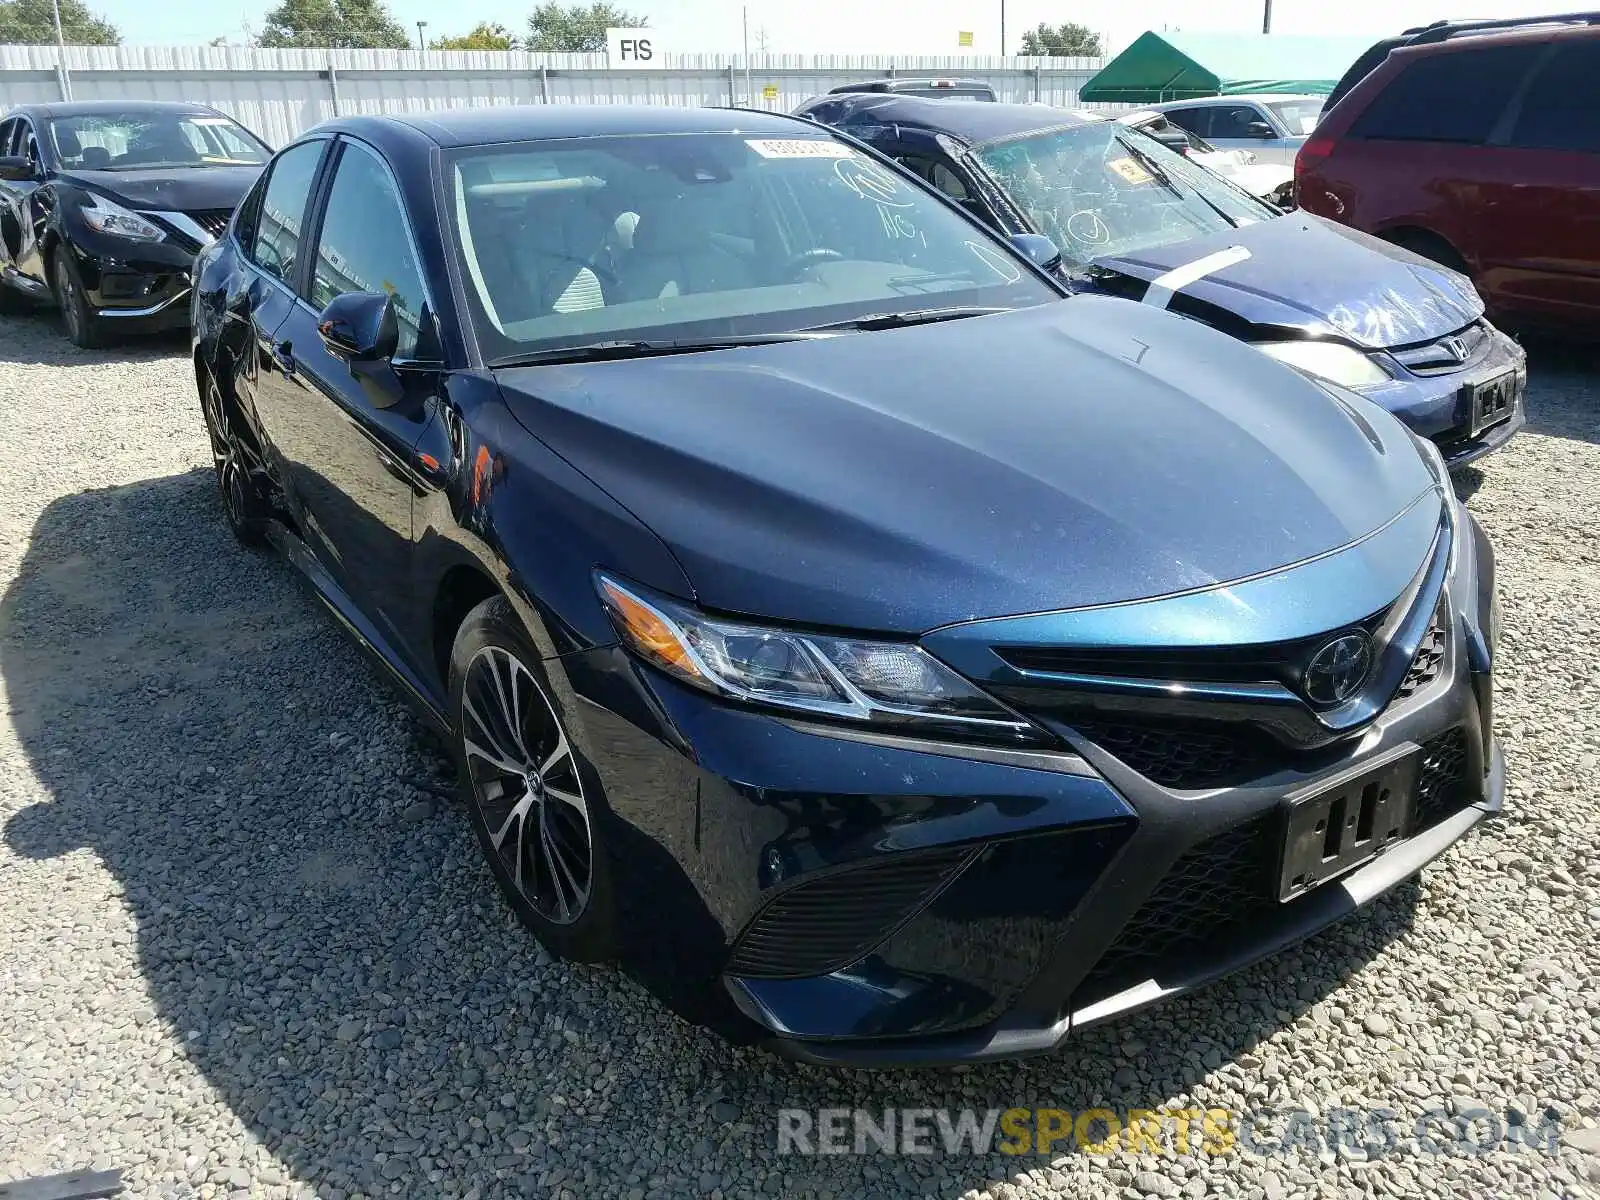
[
  {"x": 884, "y": 683},
  {"x": 1328, "y": 360},
  {"x": 102, "y": 215}
]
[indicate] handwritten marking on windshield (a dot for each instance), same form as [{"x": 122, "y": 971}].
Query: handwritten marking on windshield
[
  {"x": 1163, "y": 287},
  {"x": 872, "y": 182}
]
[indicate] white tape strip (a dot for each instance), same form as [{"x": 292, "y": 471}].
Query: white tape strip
[{"x": 1162, "y": 287}]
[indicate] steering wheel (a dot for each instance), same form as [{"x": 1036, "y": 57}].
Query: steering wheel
[{"x": 808, "y": 258}]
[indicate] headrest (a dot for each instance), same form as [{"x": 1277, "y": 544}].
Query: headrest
[
  {"x": 67, "y": 142},
  {"x": 667, "y": 231}
]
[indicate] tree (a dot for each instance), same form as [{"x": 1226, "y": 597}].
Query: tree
[
  {"x": 305, "y": 24},
  {"x": 580, "y": 29},
  {"x": 485, "y": 35},
  {"x": 33, "y": 23},
  {"x": 1064, "y": 41}
]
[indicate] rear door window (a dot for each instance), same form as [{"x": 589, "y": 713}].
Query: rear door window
[
  {"x": 1235, "y": 121},
  {"x": 1196, "y": 120},
  {"x": 1560, "y": 107},
  {"x": 1451, "y": 97}
]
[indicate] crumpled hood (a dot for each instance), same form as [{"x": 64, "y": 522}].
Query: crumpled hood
[
  {"x": 1077, "y": 453},
  {"x": 1314, "y": 275},
  {"x": 181, "y": 189}
]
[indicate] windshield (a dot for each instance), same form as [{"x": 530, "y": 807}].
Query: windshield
[
  {"x": 1102, "y": 189},
  {"x": 140, "y": 140},
  {"x": 706, "y": 235},
  {"x": 1299, "y": 117}
]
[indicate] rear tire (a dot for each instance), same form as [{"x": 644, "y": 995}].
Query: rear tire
[
  {"x": 78, "y": 320},
  {"x": 534, "y": 801}
]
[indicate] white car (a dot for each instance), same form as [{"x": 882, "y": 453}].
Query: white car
[
  {"x": 1273, "y": 127},
  {"x": 1272, "y": 182}
]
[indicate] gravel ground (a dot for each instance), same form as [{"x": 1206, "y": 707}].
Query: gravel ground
[{"x": 250, "y": 950}]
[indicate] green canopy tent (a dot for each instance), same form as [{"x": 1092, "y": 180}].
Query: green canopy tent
[{"x": 1179, "y": 66}]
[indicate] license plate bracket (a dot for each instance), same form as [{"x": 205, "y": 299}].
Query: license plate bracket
[
  {"x": 1340, "y": 826},
  {"x": 1492, "y": 400}
]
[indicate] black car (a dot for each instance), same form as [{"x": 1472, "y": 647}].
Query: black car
[
  {"x": 930, "y": 89},
  {"x": 103, "y": 207},
  {"x": 875, "y": 649}
]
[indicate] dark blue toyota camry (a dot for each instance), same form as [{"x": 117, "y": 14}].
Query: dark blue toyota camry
[{"x": 884, "y": 656}]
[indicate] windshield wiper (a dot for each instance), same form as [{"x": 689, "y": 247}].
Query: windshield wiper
[
  {"x": 638, "y": 348},
  {"x": 1165, "y": 180},
  {"x": 915, "y": 316}
]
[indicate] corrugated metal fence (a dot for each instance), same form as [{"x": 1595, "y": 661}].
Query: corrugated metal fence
[{"x": 278, "y": 93}]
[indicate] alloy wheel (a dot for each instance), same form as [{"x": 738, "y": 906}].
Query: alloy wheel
[
  {"x": 526, "y": 785},
  {"x": 232, "y": 473},
  {"x": 70, "y": 299}
]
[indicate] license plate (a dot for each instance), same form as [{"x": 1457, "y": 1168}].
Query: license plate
[
  {"x": 1332, "y": 830},
  {"x": 1492, "y": 401}
]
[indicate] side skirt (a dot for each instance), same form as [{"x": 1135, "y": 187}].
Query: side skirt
[{"x": 287, "y": 543}]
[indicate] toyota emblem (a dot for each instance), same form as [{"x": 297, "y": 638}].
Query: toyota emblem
[{"x": 1338, "y": 668}]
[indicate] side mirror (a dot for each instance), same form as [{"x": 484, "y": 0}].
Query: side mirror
[
  {"x": 1259, "y": 129},
  {"x": 1038, "y": 248},
  {"x": 1172, "y": 138},
  {"x": 15, "y": 169},
  {"x": 360, "y": 327}
]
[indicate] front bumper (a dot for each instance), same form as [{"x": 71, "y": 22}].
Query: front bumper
[
  {"x": 862, "y": 900},
  {"x": 142, "y": 288},
  {"x": 1435, "y": 406}
]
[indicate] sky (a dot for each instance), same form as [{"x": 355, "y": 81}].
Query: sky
[{"x": 841, "y": 26}]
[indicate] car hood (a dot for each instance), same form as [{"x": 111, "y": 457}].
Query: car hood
[
  {"x": 181, "y": 189},
  {"x": 1077, "y": 453},
  {"x": 1259, "y": 179},
  {"x": 1322, "y": 279}
]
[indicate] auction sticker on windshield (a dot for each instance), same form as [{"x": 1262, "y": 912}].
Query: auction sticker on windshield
[
  {"x": 798, "y": 148},
  {"x": 1130, "y": 170}
]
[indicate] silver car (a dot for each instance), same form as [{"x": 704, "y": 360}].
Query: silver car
[{"x": 1272, "y": 126}]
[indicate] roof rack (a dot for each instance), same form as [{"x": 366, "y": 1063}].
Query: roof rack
[{"x": 1440, "y": 31}]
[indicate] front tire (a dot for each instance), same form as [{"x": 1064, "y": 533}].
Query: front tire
[
  {"x": 243, "y": 504},
  {"x": 78, "y": 320},
  {"x": 534, "y": 802}
]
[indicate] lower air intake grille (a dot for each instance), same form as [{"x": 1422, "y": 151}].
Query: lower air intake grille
[
  {"x": 1218, "y": 888},
  {"x": 1442, "y": 786},
  {"x": 1429, "y": 660},
  {"x": 1177, "y": 757},
  {"x": 822, "y": 926}
]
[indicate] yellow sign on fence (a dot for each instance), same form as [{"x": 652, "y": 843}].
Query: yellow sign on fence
[
  {"x": 964, "y": 38},
  {"x": 770, "y": 92}
]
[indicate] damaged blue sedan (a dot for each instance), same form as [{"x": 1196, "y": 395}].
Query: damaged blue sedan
[
  {"x": 1132, "y": 217},
  {"x": 886, "y": 656}
]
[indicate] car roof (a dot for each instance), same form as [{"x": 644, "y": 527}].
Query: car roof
[
  {"x": 507, "y": 123},
  {"x": 972, "y": 122},
  {"x": 1265, "y": 97},
  {"x": 898, "y": 82},
  {"x": 107, "y": 108}
]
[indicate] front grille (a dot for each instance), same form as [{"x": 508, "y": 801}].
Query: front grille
[
  {"x": 1268, "y": 661},
  {"x": 1429, "y": 659},
  {"x": 1219, "y": 887},
  {"x": 829, "y": 923},
  {"x": 1442, "y": 785},
  {"x": 212, "y": 220},
  {"x": 1178, "y": 757},
  {"x": 1440, "y": 356}
]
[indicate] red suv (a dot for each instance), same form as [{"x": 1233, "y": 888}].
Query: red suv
[{"x": 1476, "y": 145}]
